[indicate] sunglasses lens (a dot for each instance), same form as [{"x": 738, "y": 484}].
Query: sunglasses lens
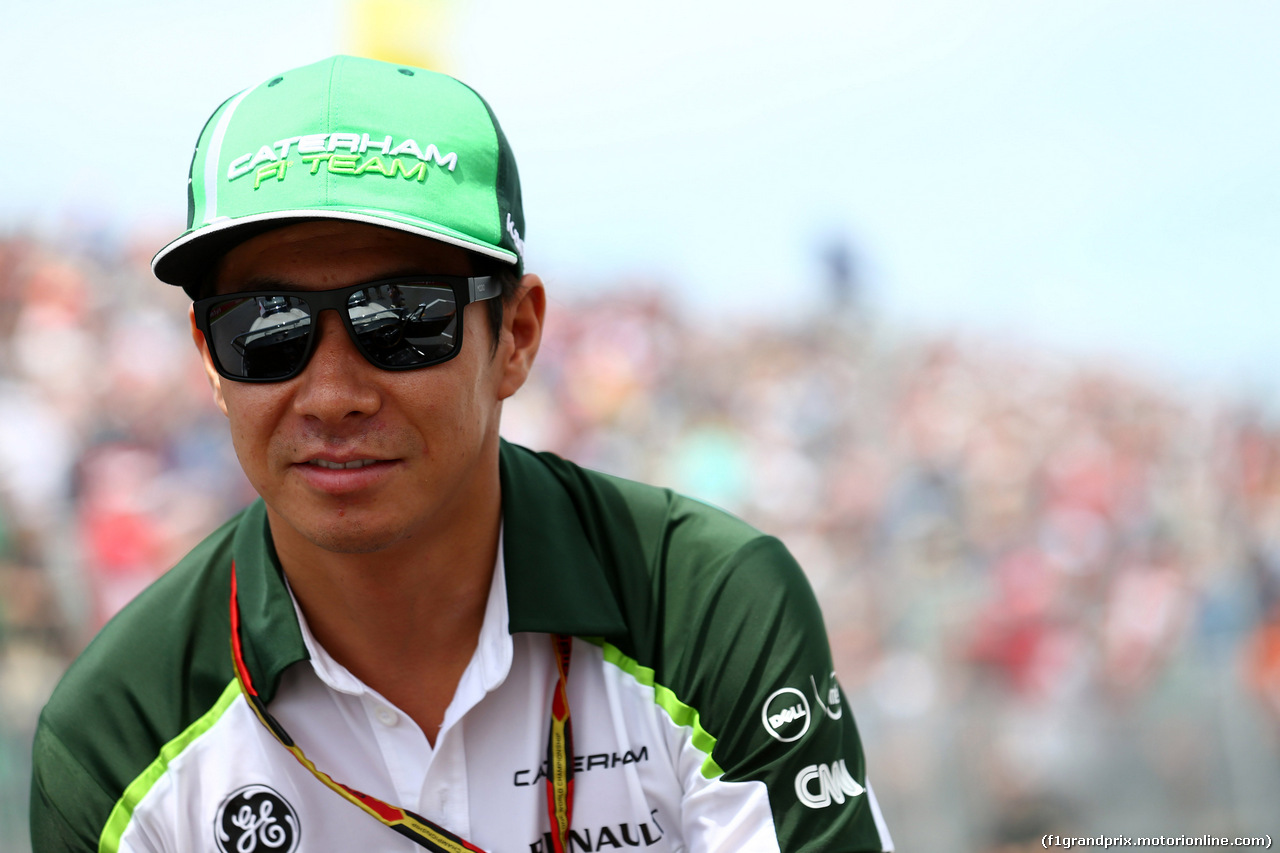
[
  {"x": 260, "y": 337},
  {"x": 401, "y": 324},
  {"x": 405, "y": 325}
]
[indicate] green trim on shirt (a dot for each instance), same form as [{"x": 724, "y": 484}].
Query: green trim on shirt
[
  {"x": 680, "y": 713},
  {"x": 122, "y": 814}
]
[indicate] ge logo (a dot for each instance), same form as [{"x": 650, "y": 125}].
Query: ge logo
[
  {"x": 786, "y": 714},
  {"x": 256, "y": 817}
]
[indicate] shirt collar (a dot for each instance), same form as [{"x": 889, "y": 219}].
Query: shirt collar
[
  {"x": 494, "y": 650},
  {"x": 555, "y": 580},
  {"x": 270, "y": 637}
]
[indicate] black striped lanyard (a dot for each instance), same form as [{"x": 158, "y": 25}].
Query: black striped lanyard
[{"x": 423, "y": 832}]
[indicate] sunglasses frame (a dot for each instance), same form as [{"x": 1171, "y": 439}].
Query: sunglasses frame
[{"x": 466, "y": 289}]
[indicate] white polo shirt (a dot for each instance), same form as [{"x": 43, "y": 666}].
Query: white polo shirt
[{"x": 638, "y": 779}]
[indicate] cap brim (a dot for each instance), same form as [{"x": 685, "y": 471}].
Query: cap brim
[{"x": 186, "y": 261}]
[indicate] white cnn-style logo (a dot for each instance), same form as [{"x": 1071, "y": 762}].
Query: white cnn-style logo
[
  {"x": 820, "y": 785},
  {"x": 786, "y": 714}
]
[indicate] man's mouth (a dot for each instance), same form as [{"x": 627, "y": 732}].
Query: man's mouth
[{"x": 354, "y": 463}]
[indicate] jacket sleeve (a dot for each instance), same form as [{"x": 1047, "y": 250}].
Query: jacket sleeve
[
  {"x": 67, "y": 804},
  {"x": 757, "y": 661}
]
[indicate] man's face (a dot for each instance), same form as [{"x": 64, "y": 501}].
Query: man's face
[{"x": 429, "y": 436}]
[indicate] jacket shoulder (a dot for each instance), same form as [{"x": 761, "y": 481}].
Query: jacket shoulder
[
  {"x": 654, "y": 517},
  {"x": 673, "y": 563},
  {"x": 156, "y": 667}
]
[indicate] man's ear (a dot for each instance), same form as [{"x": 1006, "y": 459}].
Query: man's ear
[
  {"x": 215, "y": 381},
  {"x": 521, "y": 334}
]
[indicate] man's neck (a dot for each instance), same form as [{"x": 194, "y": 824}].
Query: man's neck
[{"x": 404, "y": 620}]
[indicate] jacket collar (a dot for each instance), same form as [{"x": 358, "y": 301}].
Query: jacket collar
[
  {"x": 555, "y": 581},
  {"x": 269, "y": 634}
]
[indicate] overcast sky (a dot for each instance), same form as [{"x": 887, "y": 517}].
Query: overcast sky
[{"x": 1097, "y": 176}]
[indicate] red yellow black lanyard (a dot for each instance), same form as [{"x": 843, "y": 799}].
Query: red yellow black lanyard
[{"x": 426, "y": 834}]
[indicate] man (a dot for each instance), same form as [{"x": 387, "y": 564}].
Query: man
[{"x": 421, "y": 636}]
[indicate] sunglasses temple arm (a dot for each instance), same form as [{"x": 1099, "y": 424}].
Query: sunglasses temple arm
[{"x": 483, "y": 287}]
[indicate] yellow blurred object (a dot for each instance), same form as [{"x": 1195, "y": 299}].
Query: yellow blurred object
[{"x": 413, "y": 32}]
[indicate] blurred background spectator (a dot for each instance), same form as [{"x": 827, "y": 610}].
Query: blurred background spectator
[{"x": 1052, "y": 586}]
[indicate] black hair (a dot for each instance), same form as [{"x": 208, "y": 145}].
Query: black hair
[{"x": 509, "y": 281}]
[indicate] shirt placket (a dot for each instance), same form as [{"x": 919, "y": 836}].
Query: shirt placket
[
  {"x": 405, "y": 750},
  {"x": 445, "y": 794}
]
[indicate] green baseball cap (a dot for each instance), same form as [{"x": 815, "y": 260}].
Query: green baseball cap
[{"x": 353, "y": 139}]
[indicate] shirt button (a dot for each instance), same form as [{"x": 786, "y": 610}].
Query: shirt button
[{"x": 386, "y": 716}]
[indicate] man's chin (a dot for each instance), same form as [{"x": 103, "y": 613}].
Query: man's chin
[
  {"x": 338, "y": 527},
  {"x": 344, "y": 533},
  {"x": 352, "y": 539}
]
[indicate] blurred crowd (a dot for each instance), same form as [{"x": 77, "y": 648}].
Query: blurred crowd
[{"x": 1052, "y": 586}]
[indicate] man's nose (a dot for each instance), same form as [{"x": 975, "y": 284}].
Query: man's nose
[{"x": 336, "y": 383}]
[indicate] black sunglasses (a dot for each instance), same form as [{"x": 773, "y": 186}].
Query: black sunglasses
[{"x": 396, "y": 323}]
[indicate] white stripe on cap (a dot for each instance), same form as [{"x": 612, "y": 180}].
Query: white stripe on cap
[{"x": 213, "y": 155}]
